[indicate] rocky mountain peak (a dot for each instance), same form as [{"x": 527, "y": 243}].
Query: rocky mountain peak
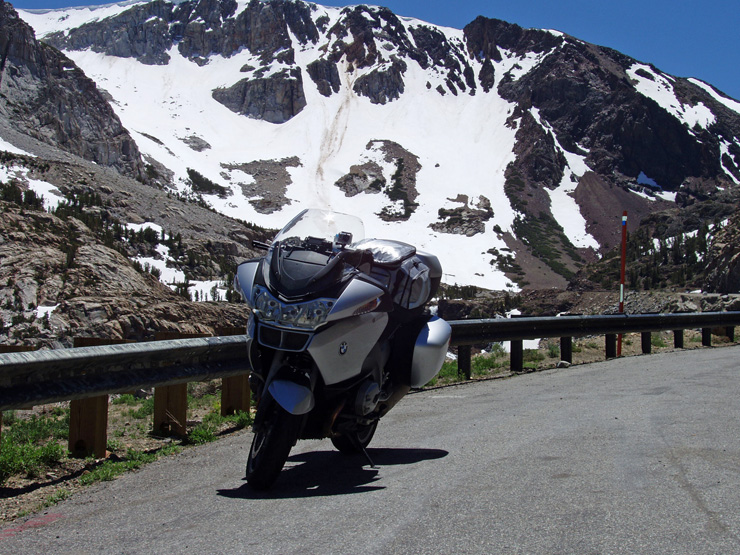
[
  {"x": 46, "y": 96},
  {"x": 523, "y": 146}
]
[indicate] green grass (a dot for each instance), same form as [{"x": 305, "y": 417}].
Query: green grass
[
  {"x": 448, "y": 373},
  {"x": 494, "y": 361},
  {"x": 532, "y": 356},
  {"x": 657, "y": 341},
  {"x": 208, "y": 429},
  {"x": 125, "y": 399},
  {"x": 144, "y": 411},
  {"x": 110, "y": 469},
  {"x": 57, "y": 497},
  {"x": 28, "y": 446},
  {"x": 31, "y": 446}
]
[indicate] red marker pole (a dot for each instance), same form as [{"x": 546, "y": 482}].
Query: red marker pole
[{"x": 621, "y": 277}]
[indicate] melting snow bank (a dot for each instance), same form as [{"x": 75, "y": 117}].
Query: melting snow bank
[
  {"x": 658, "y": 87},
  {"x": 563, "y": 205},
  {"x": 7, "y": 147},
  {"x": 163, "y": 266},
  {"x": 44, "y": 311},
  {"x": 731, "y": 104},
  {"x": 50, "y": 195}
]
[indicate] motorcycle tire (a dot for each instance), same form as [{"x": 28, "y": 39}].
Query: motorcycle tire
[
  {"x": 357, "y": 441},
  {"x": 271, "y": 446}
]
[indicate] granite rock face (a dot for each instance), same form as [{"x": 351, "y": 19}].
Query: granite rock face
[
  {"x": 46, "y": 96},
  {"x": 275, "y": 99}
]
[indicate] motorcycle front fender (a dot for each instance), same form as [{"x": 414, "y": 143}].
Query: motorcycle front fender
[{"x": 295, "y": 398}]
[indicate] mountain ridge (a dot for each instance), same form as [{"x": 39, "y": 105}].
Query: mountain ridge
[{"x": 519, "y": 147}]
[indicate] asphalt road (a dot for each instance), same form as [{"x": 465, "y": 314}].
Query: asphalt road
[{"x": 639, "y": 455}]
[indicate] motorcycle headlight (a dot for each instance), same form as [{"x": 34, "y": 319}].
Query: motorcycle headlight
[{"x": 308, "y": 315}]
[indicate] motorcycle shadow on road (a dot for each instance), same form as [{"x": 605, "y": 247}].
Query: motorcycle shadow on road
[{"x": 327, "y": 473}]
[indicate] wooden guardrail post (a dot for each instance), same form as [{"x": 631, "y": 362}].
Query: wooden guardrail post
[
  {"x": 646, "y": 342},
  {"x": 517, "y": 355},
  {"x": 235, "y": 392},
  {"x": 88, "y": 418},
  {"x": 566, "y": 349},
  {"x": 706, "y": 337},
  {"x": 610, "y": 345},
  {"x": 730, "y": 333},
  {"x": 464, "y": 360},
  {"x": 171, "y": 410},
  {"x": 88, "y": 427},
  {"x": 171, "y": 401},
  {"x": 678, "y": 339}
]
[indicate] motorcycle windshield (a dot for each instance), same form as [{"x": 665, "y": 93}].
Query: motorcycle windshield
[{"x": 305, "y": 256}]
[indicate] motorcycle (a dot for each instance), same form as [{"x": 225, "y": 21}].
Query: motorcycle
[{"x": 339, "y": 332}]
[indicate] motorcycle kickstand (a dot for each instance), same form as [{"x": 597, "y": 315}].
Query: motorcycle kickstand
[{"x": 364, "y": 452}]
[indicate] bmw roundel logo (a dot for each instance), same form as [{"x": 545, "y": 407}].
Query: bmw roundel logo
[{"x": 343, "y": 348}]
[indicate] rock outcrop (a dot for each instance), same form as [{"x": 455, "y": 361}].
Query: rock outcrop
[
  {"x": 275, "y": 99},
  {"x": 45, "y": 95}
]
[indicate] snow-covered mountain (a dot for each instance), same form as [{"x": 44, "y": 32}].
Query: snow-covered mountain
[{"x": 509, "y": 153}]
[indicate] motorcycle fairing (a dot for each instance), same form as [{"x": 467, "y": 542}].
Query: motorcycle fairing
[
  {"x": 293, "y": 397},
  {"x": 340, "y": 350}
]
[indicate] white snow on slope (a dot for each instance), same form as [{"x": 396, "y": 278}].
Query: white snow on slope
[
  {"x": 7, "y": 147},
  {"x": 562, "y": 202},
  {"x": 724, "y": 150},
  {"x": 64, "y": 19},
  {"x": 49, "y": 193},
  {"x": 659, "y": 89},
  {"x": 462, "y": 141},
  {"x": 731, "y": 104}
]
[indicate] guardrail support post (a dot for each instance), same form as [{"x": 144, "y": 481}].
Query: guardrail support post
[
  {"x": 517, "y": 355},
  {"x": 645, "y": 340},
  {"x": 706, "y": 337},
  {"x": 463, "y": 360},
  {"x": 171, "y": 401},
  {"x": 730, "y": 333},
  {"x": 171, "y": 409},
  {"x": 678, "y": 339},
  {"x": 88, "y": 427},
  {"x": 88, "y": 418},
  {"x": 610, "y": 342},
  {"x": 566, "y": 349},
  {"x": 235, "y": 392},
  {"x": 235, "y": 395}
]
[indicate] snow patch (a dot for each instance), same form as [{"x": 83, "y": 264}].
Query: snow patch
[
  {"x": 7, "y": 147},
  {"x": 51, "y": 195},
  {"x": 656, "y": 86},
  {"x": 44, "y": 311},
  {"x": 728, "y": 102},
  {"x": 563, "y": 205}
]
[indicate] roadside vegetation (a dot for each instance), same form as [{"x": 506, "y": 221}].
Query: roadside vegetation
[{"x": 36, "y": 470}]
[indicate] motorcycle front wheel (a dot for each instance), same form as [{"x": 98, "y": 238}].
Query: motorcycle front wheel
[
  {"x": 271, "y": 445},
  {"x": 356, "y": 441}
]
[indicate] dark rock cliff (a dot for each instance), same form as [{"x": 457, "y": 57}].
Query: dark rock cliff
[{"x": 45, "y": 95}]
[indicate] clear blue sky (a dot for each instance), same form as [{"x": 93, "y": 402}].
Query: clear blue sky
[{"x": 687, "y": 38}]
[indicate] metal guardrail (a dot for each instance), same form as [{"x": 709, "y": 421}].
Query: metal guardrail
[
  {"x": 86, "y": 375},
  {"x": 470, "y": 332},
  {"x": 41, "y": 377},
  {"x": 466, "y": 332}
]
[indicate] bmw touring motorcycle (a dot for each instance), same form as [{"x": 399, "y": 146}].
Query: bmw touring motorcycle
[{"x": 338, "y": 334}]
